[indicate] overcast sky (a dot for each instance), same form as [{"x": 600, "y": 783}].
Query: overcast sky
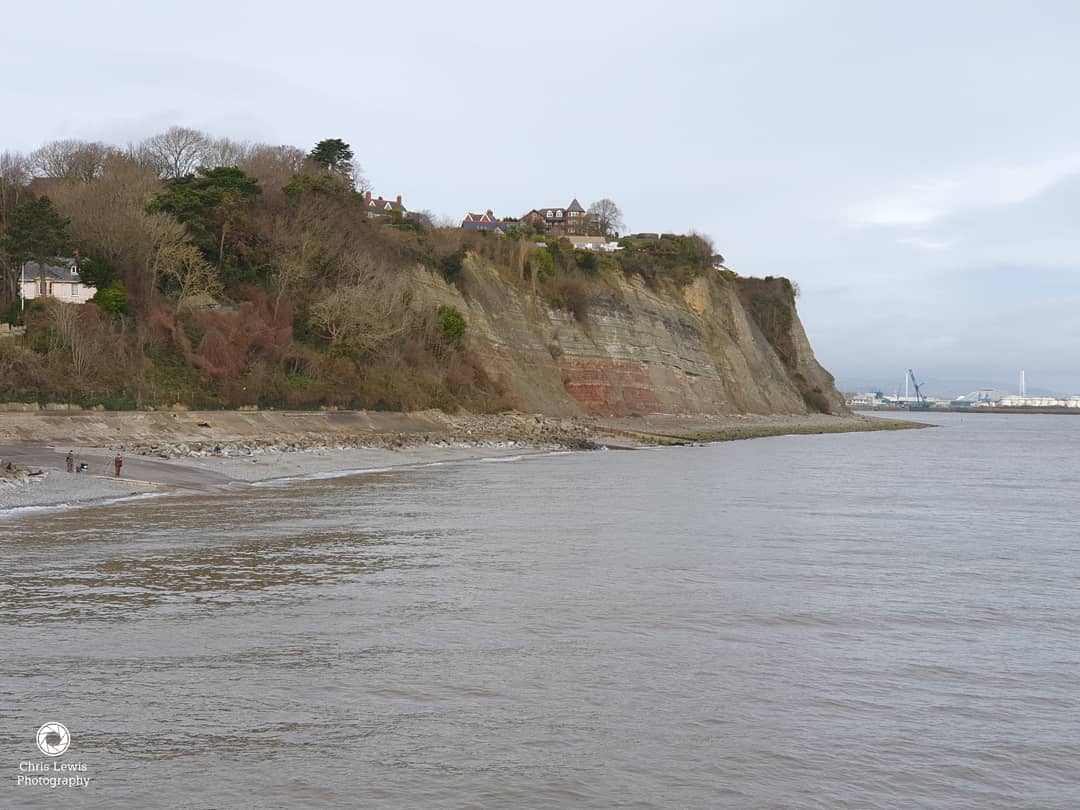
[{"x": 914, "y": 166}]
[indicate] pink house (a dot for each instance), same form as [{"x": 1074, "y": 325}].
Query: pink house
[{"x": 57, "y": 279}]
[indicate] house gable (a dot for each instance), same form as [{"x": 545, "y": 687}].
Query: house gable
[{"x": 378, "y": 207}]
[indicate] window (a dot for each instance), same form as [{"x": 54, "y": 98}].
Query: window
[
  {"x": 74, "y": 290},
  {"x": 558, "y": 214},
  {"x": 550, "y": 215}
]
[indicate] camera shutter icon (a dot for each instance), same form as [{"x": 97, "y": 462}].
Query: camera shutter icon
[{"x": 53, "y": 739}]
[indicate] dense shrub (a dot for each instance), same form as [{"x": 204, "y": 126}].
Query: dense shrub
[
  {"x": 586, "y": 260},
  {"x": 451, "y": 325},
  {"x": 112, "y": 299},
  {"x": 678, "y": 258},
  {"x": 541, "y": 265}
]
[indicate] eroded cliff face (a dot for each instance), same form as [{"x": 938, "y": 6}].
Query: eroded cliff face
[{"x": 698, "y": 350}]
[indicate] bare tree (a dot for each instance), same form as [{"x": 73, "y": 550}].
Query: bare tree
[
  {"x": 225, "y": 152},
  {"x": 285, "y": 158},
  {"x": 273, "y": 167},
  {"x": 106, "y": 214},
  {"x": 70, "y": 159},
  {"x": 14, "y": 177},
  {"x": 366, "y": 314},
  {"x": 425, "y": 218},
  {"x": 65, "y": 320},
  {"x": 360, "y": 180},
  {"x": 605, "y": 218},
  {"x": 185, "y": 265},
  {"x": 311, "y": 237},
  {"x": 163, "y": 235},
  {"x": 176, "y": 152},
  {"x": 446, "y": 221},
  {"x": 299, "y": 247},
  {"x": 521, "y": 253}
]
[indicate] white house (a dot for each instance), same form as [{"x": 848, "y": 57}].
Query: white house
[
  {"x": 57, "y": 279},
  {"x": 596, "y": 243}
]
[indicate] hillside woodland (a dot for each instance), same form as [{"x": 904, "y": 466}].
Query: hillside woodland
[{"x": 233, "y": 274}]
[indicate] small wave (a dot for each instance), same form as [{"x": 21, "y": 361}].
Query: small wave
[
  {"x": 523, "y": 456},
  {"x": 416, "y": 465},
  {"x": 16, "y": 511},
  {"x": 320, "y": 476}
]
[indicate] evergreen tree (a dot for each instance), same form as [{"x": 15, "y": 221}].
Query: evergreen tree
[
  {"x": 209, "y": 204},
  {"x": 35, "y": 232},
  {"x": 334, "y": 155}
]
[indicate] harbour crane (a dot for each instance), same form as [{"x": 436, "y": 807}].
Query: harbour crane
[{"x": 920, "y": 399}]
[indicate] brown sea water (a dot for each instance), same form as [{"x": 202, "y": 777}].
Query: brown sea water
[{"x": 861, "y": 620}]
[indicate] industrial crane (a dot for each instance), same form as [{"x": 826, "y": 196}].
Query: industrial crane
[{"x": 920, "y": 399}]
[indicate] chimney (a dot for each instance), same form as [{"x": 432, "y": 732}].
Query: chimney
[
  {"x": 367, "y": 196},
  {"x": 399, "y": 199}
]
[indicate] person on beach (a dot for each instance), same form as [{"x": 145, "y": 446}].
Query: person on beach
[
  {"x": 70, "y": 462},
  {"x": 118, "y": 462}
]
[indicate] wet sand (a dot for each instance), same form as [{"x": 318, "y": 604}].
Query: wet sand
[{"x": 142, "y": 474}]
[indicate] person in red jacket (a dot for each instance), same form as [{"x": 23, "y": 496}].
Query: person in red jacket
[{"x": 118, "y": 462}]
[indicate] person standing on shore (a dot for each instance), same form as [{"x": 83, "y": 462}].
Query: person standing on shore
[
  {"x": 70, "y": 461},
  {"x": 118, "y": 462}
]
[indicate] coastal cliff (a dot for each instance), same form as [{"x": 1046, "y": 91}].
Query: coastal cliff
[
  {"x": 272, "y": 283},
  {"x": 719, "y": 345},
  {"x": 486, "y": 337}
]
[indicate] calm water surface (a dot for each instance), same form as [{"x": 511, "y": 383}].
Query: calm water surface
[{"x": 865, "y": 620}]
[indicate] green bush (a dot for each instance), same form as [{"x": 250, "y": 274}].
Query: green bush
[
  {"x": 112, "y": 299},
  {"x": 586, "y": 260},
  {"x": 681, "y": 258},
  {"x": 298, "y": 382},
  {"x": 451, "y": 325},
  {"x": 542, "y": 264}
]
